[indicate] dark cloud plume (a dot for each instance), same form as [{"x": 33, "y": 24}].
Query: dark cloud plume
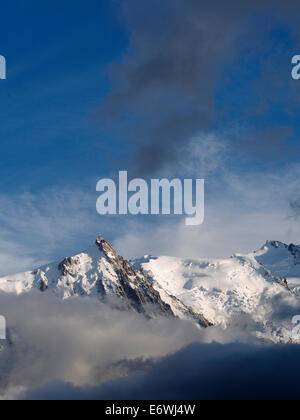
[
  {"x": 213, "y": 371},
  {"x": 164, "y": 87}
]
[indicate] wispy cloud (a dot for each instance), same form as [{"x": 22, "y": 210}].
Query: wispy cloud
[
  {"x": 39, "y": 227},
  {"x": 241, "y": 213}
]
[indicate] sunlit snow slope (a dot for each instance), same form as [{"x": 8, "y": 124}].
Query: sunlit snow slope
[{"x": 243, "y": 288}]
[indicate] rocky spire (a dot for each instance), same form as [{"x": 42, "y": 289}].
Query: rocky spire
[{"x": 101, "y": 272}]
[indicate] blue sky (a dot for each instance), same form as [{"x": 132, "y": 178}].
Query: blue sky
[
  {"x": 158, "y": 89},
  {"x": 57, "y": 56}
]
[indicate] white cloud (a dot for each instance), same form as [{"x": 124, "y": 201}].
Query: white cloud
[{"x": 241, "y": 213}]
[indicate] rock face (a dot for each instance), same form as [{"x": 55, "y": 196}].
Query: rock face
[
  {"x": 102, "y": 273},
  {"x": 132, "y": 286}
]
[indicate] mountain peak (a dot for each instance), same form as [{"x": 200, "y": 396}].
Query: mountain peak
[
  {"x": 106, "y": 247},
  {"x": 100, "y": 239},
  {"x": 101, "y": 272},
  {"x": 174, "y": 287}
]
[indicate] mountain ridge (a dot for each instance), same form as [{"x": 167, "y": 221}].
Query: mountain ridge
[
  {"x": 208, "y": 291},
  {"x": 102, "y": 273},
  {"x": 230, "y": 290}
]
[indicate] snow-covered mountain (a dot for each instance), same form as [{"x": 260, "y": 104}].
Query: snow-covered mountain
[
  {"x": 102, "y": 273},
  {"x": 244, "y": 290}
]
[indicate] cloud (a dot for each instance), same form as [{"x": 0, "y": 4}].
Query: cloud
[
  {"x": 205, "y": 155},
  {"x": 199, "y": 372},
  {"x": 85, "y": 342},
  {"x": 167, "y": 77},
  {"x": 241, "y": 213},
  {"x": 83, "y": 349},
  {"x": 43, "y": 227},
  {"x": 164, "y": 88},
  {"x": 80, "y": 340}
]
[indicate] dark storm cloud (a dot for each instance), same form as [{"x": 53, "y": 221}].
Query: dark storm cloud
[
  {"x": 214, "y": 371},
  {"x": 164, "y": 86}
]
